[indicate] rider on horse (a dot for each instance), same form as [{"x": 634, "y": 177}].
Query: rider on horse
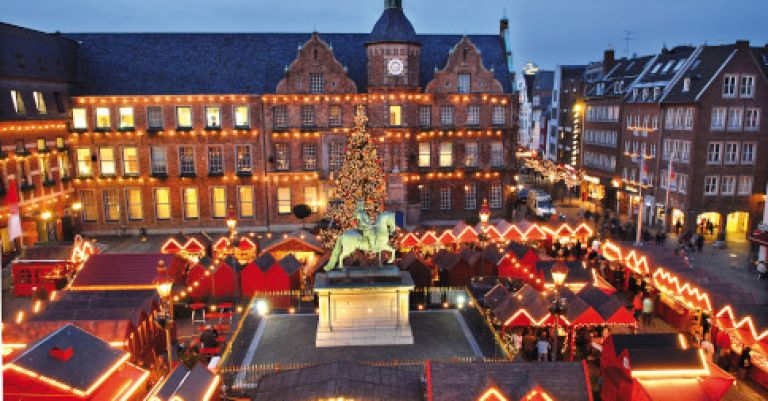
[{"x": 364, "y": 222}]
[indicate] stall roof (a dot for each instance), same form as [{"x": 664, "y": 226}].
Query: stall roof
[
  {"x": 186, "y": 384},
  {"x": 303, "y": 240},
  {"x": 122, "y": 271},
  {"x": 265, "y": 261},
  {"x": 290, "y": 264},
  {"x": 57, "y": 253}
]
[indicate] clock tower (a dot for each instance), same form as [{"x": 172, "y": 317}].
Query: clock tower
[{"x": 393, "y": 51}]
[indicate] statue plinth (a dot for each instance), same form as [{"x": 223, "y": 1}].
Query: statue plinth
[{"x": 363, "y": 306}]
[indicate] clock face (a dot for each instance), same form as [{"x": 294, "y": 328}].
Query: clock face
[{"x": 395, "y": 66}]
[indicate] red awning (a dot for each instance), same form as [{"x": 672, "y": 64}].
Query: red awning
[{"x": 759, "y": 237}]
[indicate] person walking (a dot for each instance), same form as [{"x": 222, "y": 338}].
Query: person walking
[
  {"x": 543, "y": 349},
  {"x": 647, "y": 310},
  {"x": 637, "y": 306},
  {"x": 678, "y": 227},
  {"x": 700, "y": 242},
  {"x": 710, "y": 227}
]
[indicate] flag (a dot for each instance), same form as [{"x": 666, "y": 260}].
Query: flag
[
  {"x": 672, "y": 179},
  {"x": 12, "y": 200},
  {"x": 645, "y": 172}
]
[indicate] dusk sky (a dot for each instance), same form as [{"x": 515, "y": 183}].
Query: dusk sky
[{"x": 547, "y": 32}]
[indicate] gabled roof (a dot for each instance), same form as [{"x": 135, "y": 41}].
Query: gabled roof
[
  {"x": 496, "y": 296},
  {"x": 761, "y": 56},
  {"x": 46, "y": 253},
  {"x": 38, "y": 55},
  {"x": 122, "y": 270},
  {"x": 518, "y": 250},
  {"x": 393, "y": 26},
  {"x": 577, "y": 273},
  {"x": 290, "y": 264},
  {"x": 643, "y": 341},
  {"x": 705, "y": 65},
  {"x": 98, "y": 305},
  {"x": 265, "y": 261},
  {"x": 187, "y": 384}
]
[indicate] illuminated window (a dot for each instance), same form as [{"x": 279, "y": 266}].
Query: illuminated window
[
  {"x": 111, "y": 205},
  {"x": 425, "y": 198},
  {"x": 107, "y": 163},
  {"x": 126, "y": 117},
  {"x": 309, "y": 156},
  {"x": 187, "y": 160},
  {"x": 499, "y": 115},
  {"x": 425, "y": 154},
  {"x": 18, "y": 102},
  {"x": 497, "y": 154},
  {"x": 212, "y": 117},
  {"x": 41, "y": 146},
  {"x": 184, "y": 117},
  {"x": 282, "y": 157},
  {"x": 79, "y": 119},
  {"x": 154, "y": 118},
  {"x": 84, "y": 162},
  {"x": 310, "y": 198},
  {"x": 446, "y": 154},
  {"x": 446, "y": 115},
  {"x": 470, "y": 196},
  {"x": 162, "y": 203},
  {"x": 103, "y": 120},
  {"x": 130, "y": 161},
  {"x": 425, "y": 116},
  {"x": 445, "y": 198},
  {"x": 464, "y": 83},
  {"x": 316, "y": 83},
  {"x": 39, "y": 102},
  {"x": 135, "y": 207},
  {"x": 90, "y": 208},
  {"x": 336, "y": 155},
  {"x": 215, "y": 160},
  {"x": 218, "y": 202},
  {"x": 45, "y": 169},
  {"x": 494, "y": 200},
  {"x": 158, "y": 160},
  {"x": 395, "y": 116},
  {"x": 473, "y": 114},
  {"x": 245, "y": 201},
  {"x": 63, "y": 163},
  {"x": 284, "y": 200},
  {"x": 243, "y": 163},
  {"x": 242, "y": 117},
  {"x": 471, "y": 154},
  {"x": 279, "y": 117},
  {"x": 307, "y": 116},
  {"x": 334, "y": 115},
  {"x": 191, "y": 203}
]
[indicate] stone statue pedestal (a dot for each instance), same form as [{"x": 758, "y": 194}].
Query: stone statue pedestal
[{"x": 363, "y": 306}]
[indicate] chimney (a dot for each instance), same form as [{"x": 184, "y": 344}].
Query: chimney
[
  {"x": 742, "y": 44},
  {"x": 61, "y": 355},
  {"x": 608, "y": 60}
]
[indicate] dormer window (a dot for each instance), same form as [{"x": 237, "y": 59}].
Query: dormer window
[
  {"x": 645, "y": 94},
  {"x": 634, "y": 94},
  {"x": 686, "y": 84},
  {"x": 599, "y": 89},
  {"x": 656, "y": 93}
]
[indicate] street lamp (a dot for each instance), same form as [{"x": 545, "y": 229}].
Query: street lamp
[
  {"x": 76, "y": 208},
  {"x": 559, "y": 274},
  {"x": 485, "y": 214},
  {"x": 231, "y": 221},
  {"x": 164, "y": 284}
]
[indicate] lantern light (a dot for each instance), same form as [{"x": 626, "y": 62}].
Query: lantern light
[
  {"x": 559, "y": 273},
  {"x": 485, "y": 212},
  {"x": 163, "y": 281}
]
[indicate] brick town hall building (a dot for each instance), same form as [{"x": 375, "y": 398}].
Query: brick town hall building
[{"x": 166, "y": 131}]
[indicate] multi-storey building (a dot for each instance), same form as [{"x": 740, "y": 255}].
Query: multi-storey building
[
  {"x": 37, "y": 71},
  {"x": 567, "y": 114},
  {"x": 170, "y": 131},
  {"x": 535, "y": 89}
]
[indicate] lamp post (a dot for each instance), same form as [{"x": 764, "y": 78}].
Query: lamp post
[
  {"x": 76, "y": 208},
  {"x": 164, "y": 284},
  {"x": 485, "y": 214},
  {"x": 559, "y": 273},
  {"x": 231, "y": 222}
]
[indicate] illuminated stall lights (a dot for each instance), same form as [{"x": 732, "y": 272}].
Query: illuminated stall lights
[
  {"x": 746, "y": 322},
  {"x": 673, "y": 372},
  {"x": 690, "y": 295}
]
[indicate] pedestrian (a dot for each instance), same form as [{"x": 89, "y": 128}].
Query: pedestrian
[
  {"x": 543, "y": 349},
  {"x": 708, "y": 348},
  {"x": 710, "y": 227},
  {"x": 700, "y": 242},
  {"x": 745, "y": 363},
  {"x": 647, "y": 310},
  {"x": 637, "y": 306},
  {"x": 678, "y": 227},
  {"x": 517, "y": 340}
]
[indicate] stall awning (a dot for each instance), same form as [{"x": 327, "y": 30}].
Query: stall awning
[{"x": 759, "y": 237}]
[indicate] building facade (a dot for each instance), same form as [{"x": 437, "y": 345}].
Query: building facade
[{"x": 567, "y": 115}]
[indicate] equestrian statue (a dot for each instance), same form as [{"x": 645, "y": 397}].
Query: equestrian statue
[{"x": 369, "y": 238}]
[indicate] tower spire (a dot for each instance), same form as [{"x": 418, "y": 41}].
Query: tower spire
[{"x": 393, "y": 4}]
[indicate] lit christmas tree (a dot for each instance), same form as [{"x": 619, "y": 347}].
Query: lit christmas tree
[{"x": 360, "y": 178}]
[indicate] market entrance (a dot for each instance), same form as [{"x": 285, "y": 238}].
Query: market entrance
[{"x": 737, "y": 224}]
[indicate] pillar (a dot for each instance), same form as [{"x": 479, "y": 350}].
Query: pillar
[{"x": 723, "y": 217}]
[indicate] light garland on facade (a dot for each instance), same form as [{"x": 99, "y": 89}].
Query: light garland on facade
[{"x": 423, "y": 135}]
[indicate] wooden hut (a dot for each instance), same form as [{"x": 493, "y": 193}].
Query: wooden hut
[
  {"x": 421, "y": 272},
  {"x": 253, "y": 277},
  {"x": 454, "y": 270}
]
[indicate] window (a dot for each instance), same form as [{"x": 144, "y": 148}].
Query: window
[
  {"x": 682, "y": 183},
  {"x": 470, "y": 196},
  {"x": 745, "y": 185},
  {"x": 310, "y": 198},
  {"x": 685, "y": 153},
  {"x": 714, "y": 152},
  {"x": 679, "y": 118},
  {"x": 282, "y": 157},
  {"x": 395, "y": 116},
  {"x": 334, "y": 116},
  {"x": 59, "y": 100},
  {"x": 63, "y": 163},
  {"x": 184, "y": 117},
  {"x": 218, "y": 202},
  {"x": 90, "y": 208},
  {"x": 425, "y": 116},
  {"x": 111, "y": 203},
  {"x": 284, "y": 200},
  {"x": 336, "y": 155},
  {"x": 154, "y": 118},
  {"x": 126, "y": 118},
  {"x": 279, "y": 117},
  {"x": 79, "y": 119},
  {"x": 747, "y": 86},
  {"x": 425, "y": 198},
  {"x": 191, "y": 204},
  {"x": 242, "y": 117},
  {"x": 215, "y": 160},
  {"x": 748, "y": 152},
  {"x": 316, "y": 83},
  {"x": 686, "y": 84},
  {"x": 728, "y": 185},
  {"x": 731, "y": 152},
  {"x": 446, "y": 154},
  {"x": 84, "y": 162},
  {"x": 107, "y": 164},
  {"x": 243, "y": 163},
  {"x": 102, "y": 118},
  {"x": 18, "y": 102},
  {"x": 669, "y": 119},
  {"x": 710, "y": 184},
  {"x": 734, "y": 118},
  {"x": 446, "y": 115},
  {"x": 212, "y": 117},
  {"x": 445, "y": 198},
  {"x": 307, "y": 116},
  {"x": 497, "y": 154},
  {"x": 499, "y": 113},
  {"x": 425, "y": 154},
  {"x": 464, "y": 84},
  {"x": 187, "y": 160},
  {"x": 162, "y": 203},
  {"x": 729, "y": 85},
  {"x": 495, "y": 196},
  {"x": 688, "y": 118},
  {"x": 309, "y": 156},
  {"x": 473, "y": 114},
  {"x": 718, "y": 118},
  {"x": 159, "y": 160},
  {"x": 41, "y": 146},
  {"x": 245, "y": 201},
  {"x": 39, "y": 102},
  {"x": 471, "y": 154},
  {"x": 135, "y": 208},
  {"x": 752, "y": 119}
]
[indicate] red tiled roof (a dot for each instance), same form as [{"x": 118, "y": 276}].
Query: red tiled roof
[{"x": 131, "y": 271}]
